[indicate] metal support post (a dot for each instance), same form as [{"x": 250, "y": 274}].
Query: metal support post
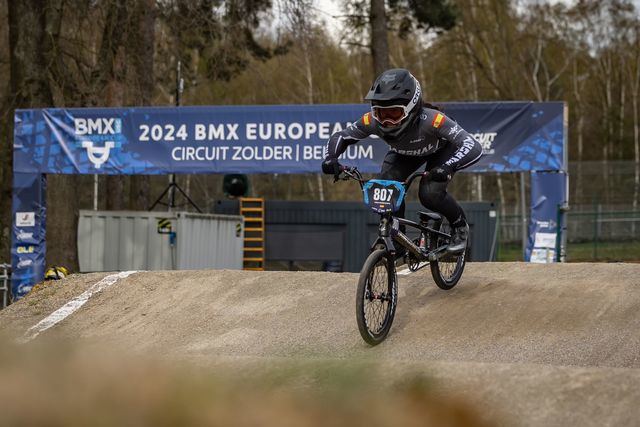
[{"x": 523, "y": 206}]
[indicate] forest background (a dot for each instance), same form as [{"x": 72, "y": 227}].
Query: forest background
[{"x": 75, "y": 53}]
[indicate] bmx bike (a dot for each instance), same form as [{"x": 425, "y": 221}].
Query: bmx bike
[{"x": 377, "y": 293}]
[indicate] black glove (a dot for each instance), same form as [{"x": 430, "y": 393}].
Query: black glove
[
  {"x": 331, "y": 167},
  {"x": 441, "y": 173}
]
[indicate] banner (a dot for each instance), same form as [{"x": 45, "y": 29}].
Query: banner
[
  {"x": 548, "y": 195},
  {"x": 516, "y": 136},
  {"x": 28, "y": 246}
]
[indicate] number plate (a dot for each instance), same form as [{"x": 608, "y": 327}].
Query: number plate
[{"x": 383, "y": 196}]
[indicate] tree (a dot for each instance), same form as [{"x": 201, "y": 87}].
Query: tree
[
  {"x": 33, "y": 32},
  {"x": 403, "y": 17}
]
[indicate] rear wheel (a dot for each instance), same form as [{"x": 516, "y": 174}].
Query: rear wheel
[
  {"x": 376, "y": 297},
  {"x": 447, "y": 270}
]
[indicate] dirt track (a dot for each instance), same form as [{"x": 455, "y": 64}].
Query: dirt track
[{"x": 542, "y": 345}]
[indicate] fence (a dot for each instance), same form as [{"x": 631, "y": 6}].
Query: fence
[
  {"x": 5, "y": 281},
  {"x": 594, "y": 233}
]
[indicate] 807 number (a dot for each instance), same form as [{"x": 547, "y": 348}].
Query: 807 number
[{"x": 382, "y": 194}]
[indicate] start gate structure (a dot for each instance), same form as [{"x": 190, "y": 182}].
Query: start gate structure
[{"x": 523, "y": 137}]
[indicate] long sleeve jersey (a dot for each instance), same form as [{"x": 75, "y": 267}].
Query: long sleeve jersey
[{"x": 430, "y": 132}]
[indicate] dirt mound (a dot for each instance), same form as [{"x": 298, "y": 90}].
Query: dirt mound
[{"x": 528, "y": 334}]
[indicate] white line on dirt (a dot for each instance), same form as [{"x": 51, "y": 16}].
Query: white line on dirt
[{"x": 73, "y": 305}]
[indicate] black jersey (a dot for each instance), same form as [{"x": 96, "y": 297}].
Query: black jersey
[{"x": 431, "y": 131}]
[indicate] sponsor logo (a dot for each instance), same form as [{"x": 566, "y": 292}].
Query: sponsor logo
[
  {"x": 413, "y": 141},
  {"x": 97, "y": 129},
  {"x": 547, "y": 224},
  {"x": 26, "y": 249},
  {"x": 486, "y": 140},
  {"x": 455, "y": 130},
  {"x": 437, "y": 120},
  {"x": 23, "y": 235},
  {"x": 388, "y": 78},
  {"x": 25, "y": 219},
  {"x": 416, "y": 96},
  {"x": 97, "y": 126},
  {"x": 24, "y": 289},
  {"x": 98, "y": 155},
  {"x": 467, "y": 146},
  {"x": 25, "y": 262},
  {"x": 418, "y": 152},
  {"x": 366, "y": 119}
]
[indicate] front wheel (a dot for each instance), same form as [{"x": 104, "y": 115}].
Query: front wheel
[
  {"x": 447, "y": 270},
  {"x": 376, "y": 297}
]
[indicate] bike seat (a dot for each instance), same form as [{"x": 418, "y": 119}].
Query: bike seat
[{"x": 426, "y": 216}]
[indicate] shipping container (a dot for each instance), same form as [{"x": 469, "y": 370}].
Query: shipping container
[{"x": 128, "y": 240}]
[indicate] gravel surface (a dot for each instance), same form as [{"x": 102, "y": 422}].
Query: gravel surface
[{"x": 542, "y": 345}]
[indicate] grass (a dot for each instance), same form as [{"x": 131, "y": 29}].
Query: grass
[{"x": 622, "y": 251}]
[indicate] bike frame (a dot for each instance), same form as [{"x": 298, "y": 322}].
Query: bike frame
[{"x": 389, "y": 228}]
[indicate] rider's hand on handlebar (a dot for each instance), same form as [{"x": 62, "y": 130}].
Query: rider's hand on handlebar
[{"x": 331, "y": 167}]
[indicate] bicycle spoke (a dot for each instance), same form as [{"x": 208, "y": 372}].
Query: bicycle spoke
[{"x": 376, "y": 304}]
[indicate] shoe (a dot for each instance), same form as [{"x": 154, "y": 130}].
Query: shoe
[{"x": 459, "y": 238}]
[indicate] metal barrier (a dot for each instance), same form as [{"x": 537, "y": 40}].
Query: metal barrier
[
  {"x": 593, "y": 234},
  {"x": 5, "y": 280}
]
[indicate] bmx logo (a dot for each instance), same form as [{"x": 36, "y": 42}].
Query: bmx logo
[
  {"x": 97, "y": 126},
  {"x": 25, "y": 262},
  {"x": 98, "y": 155}
]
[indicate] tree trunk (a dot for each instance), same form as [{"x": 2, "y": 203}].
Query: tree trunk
[
  {"x": 140, "y": 52},
  {"x": 634, "y": 77},
  {"x": 6, "y": 168},
  {"x": 577, "y": 93},
  {"x": 33, "y": 40},
  {"x": 379, "y": 40},
  {"x": 109, "y": 78},
  {"x": 636, "y": 153}
]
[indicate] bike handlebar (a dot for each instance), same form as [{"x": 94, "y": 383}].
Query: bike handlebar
[{"x": 352, "y": 172}]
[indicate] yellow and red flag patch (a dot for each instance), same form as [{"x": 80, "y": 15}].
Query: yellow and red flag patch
[
  {"x": 367, "y": 119},
  {"x": 437, "y": 120}
]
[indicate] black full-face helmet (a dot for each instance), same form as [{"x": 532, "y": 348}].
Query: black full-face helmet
[{"x": 396, "y": 101}]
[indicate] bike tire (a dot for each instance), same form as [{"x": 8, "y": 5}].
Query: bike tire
[
  {"x": 378, "y": 284},
  {"x": 447, "y": 271}
]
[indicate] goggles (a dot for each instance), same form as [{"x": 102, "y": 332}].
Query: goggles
[{"x": 391, "y": 115}]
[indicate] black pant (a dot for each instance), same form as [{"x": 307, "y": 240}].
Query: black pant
[{"x": 433, "y": 195}]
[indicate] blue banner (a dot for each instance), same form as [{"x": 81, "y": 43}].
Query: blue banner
[
  {"x": 516, "y": 136},
  {"x": 28, "y": 246},
  {"x": 548, "y": 195}
]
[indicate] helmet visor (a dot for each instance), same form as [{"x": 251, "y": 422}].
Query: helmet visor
[{"x": 389, "y": 116}]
